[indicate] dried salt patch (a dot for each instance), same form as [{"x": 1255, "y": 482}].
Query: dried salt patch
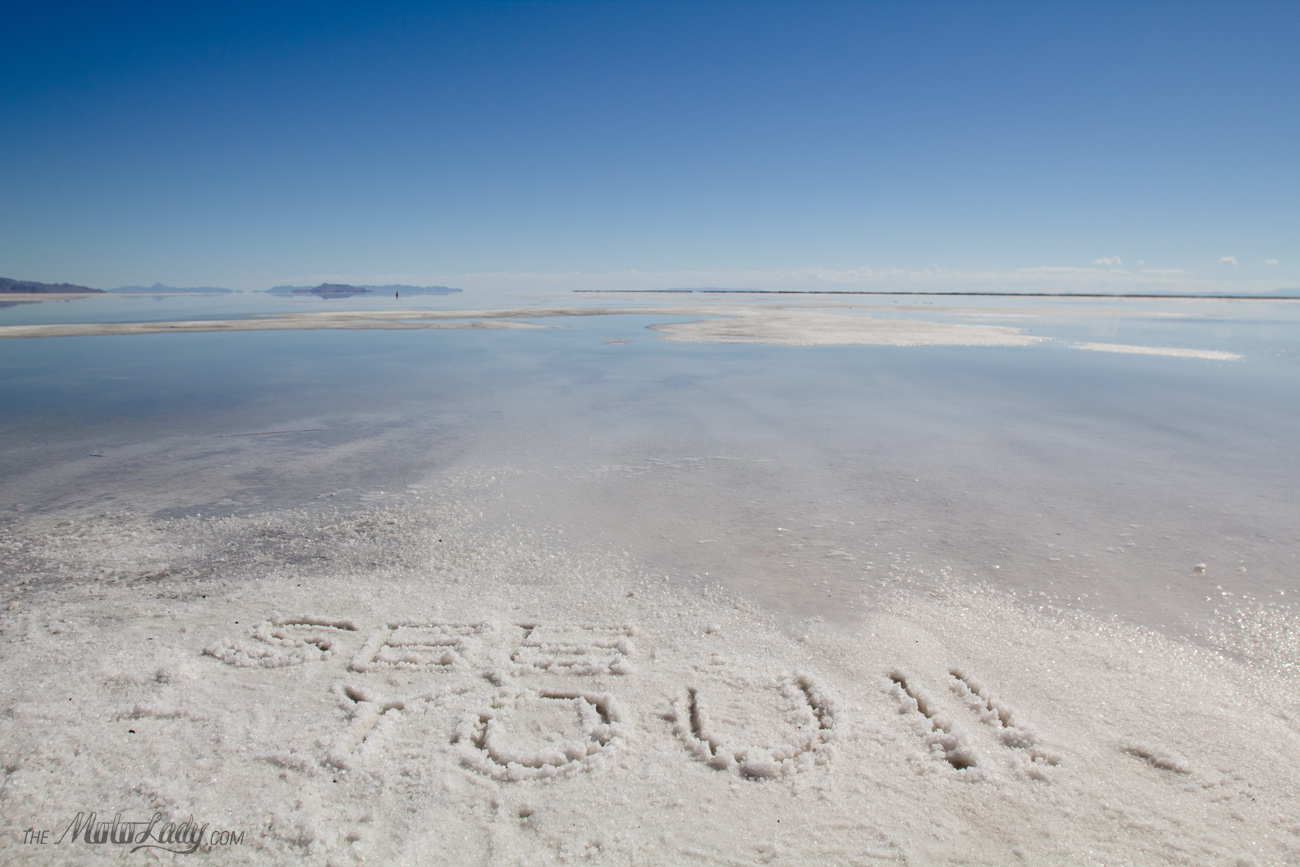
[
  {"x": 1207, "y": 354},
  {"x": 289, "y": 322},
  {"x": 797, "y": 327}
]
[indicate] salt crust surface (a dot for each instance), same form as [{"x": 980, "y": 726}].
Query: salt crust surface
[
  {"x": 1208, "y": 354},
  {"x": 295, "y": 322},
  {"x": 404, "y": 686},
  {"x": 795, "y": 327},
  {"x": 733, "y": 324},
  {"x": 786, "y": 326}
]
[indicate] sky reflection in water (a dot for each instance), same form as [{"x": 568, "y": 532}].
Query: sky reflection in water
[{"x": 791, "y": 475}]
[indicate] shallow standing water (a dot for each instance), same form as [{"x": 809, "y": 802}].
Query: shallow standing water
[{"x": 1095, "y": 479}]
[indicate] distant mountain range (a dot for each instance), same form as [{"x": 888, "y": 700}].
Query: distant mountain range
[
  {"x": 343, "y": 290},
  {"x": 34, "y": 288},
  {"x": 160, "y": 289},
  {"x": 324, "y": 290}
]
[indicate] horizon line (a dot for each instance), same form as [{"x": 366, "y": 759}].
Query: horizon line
[{"x": 950, "y": 294}]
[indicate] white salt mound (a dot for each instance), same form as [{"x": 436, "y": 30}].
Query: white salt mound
[
  {"x": 1130, "y": 349},
  {"x": 798, "y": 327}
]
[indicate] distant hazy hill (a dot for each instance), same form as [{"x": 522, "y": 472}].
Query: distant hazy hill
[
  {"x": 7, "y": 285},
  {"x": 1284, "y": 293},
  {"x": 160, "y": 289},
  {"x": 342, "y": 290},
  {"x": 414, "y": 290},
  {"x": 324, "y": 290}
]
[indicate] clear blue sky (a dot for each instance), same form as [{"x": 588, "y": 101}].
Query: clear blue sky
[{"x": 730, "y": 143}]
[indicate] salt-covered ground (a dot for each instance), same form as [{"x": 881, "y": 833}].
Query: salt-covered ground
[
  {"x": 579, "y": 598},
  {"x": 401, "y": 686},
  {"x": 727, "y": 324}
]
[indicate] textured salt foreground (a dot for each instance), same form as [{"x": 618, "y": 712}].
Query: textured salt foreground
[{"x": 406, "y": 686}]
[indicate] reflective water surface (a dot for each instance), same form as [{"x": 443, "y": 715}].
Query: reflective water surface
[{"x": 1156, "y": 489}]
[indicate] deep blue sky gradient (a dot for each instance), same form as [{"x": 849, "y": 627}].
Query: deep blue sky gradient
[{"x": 245, "y": 145}]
